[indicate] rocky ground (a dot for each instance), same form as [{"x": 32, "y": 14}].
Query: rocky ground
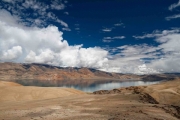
[{"x": 154, "y": 102}]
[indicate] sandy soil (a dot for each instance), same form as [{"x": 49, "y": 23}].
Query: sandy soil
[
  {"x": 119, "y": 104},
  {"x": 166, "y": 92},
  {"x": 6, "y": 84},
  {"x": 15, "y": 92}
]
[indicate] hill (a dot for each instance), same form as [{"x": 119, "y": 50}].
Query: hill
[{"x": 17, "y": 71}]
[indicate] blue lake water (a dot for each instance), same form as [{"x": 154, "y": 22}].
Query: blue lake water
[
  {"x": 109, "y": 86},
  {"x": 84, "y": 85}
]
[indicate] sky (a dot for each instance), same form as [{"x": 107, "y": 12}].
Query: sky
[{"x": 123, "y": 36}]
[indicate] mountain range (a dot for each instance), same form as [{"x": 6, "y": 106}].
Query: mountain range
[{"x": 18, "y": 71}]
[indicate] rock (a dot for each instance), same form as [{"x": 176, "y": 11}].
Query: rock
[
  {"x": 114, "y": 91},
  {"x": 147, "y": 98}
]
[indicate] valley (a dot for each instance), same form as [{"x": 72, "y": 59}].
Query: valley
[{"x": 34, "y": 92}]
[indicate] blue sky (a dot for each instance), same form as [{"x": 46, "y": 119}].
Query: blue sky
[{"x": 126, "y": 36}]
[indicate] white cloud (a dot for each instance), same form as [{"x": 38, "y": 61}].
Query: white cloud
[
  {"x": 39, "y": 11},
  {"x": 107, "y": 40},
  {"x": 107, "y": 37},
  {"x": 134, "y": 50},
  {"x": 12, "y": 1},
  {"x": 20, "y": 43},
  {"x": 46, "y": 45},
  {"x": 8, "y": 1},
  {"x": 172, "y": 7},
  {"x": 168, "y": 40},
  {"x": 66, "y": 29},
  {"x": 175, "y": 5},
  {"x": 11, "y": 54},
  {"x": 67, "y": 13},
  {"x": 119, "y": 24},
  {"x": 62, "y": 23},
  {"x": 172, "y": 17},
  {"x": 143, "y": 58},
  {"x": 84, "y": 57},
  {"x": 119, "y": 37},
  {"x": 110, "y": 39},
  {"x": 167, "y": 65},
  {"x": 169, "y": 43},
  {"x": 7, "y": 17},
  {"x": 107, "y": 29},
  {"x": 45, "y": 56},
  {"x": 157, "y": 33},
  {"x": 129, "y": 59},
  {"x": 56, "y": 4}
]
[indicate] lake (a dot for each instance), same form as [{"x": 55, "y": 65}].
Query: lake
[
  {"x": 110, "y": 86},
  {"x": 86, "y": 86}
]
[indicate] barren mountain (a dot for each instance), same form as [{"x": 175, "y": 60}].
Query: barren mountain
[{"x": 17, "y": 71}]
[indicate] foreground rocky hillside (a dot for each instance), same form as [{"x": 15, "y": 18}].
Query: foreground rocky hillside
[
  {"x": 154, "y": 102},
  {"x": 163, "y": 93},
  {"x": 17, "y": 71}
]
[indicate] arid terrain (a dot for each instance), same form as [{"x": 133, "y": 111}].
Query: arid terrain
[
  {"x": 18, "y": 71},
  {"x": 17, "y": 102},
  {"x": 154, "y": 102}
]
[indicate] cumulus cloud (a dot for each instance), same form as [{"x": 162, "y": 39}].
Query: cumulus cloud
[
  {"x": 175, "y": 5},
  {"x": 146, "y": 59},
  {"x": 84, "y": 57},
  {"x": 167, "y": 50},
  {"x": 45, "y": 45},
  {"x": 11, "y": 54},
  {"x": 131, "y": 58},
  {"x": 10, "y": 19},
  {"x": 20, "y": 41}
]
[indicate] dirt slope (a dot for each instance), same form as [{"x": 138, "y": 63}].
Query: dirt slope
[
  {"x": 166, "y": 92},
  {"x": 133, "y": 103},
  {"x": 6, "y": 84},
  {"x": 14, "y": 92}
]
